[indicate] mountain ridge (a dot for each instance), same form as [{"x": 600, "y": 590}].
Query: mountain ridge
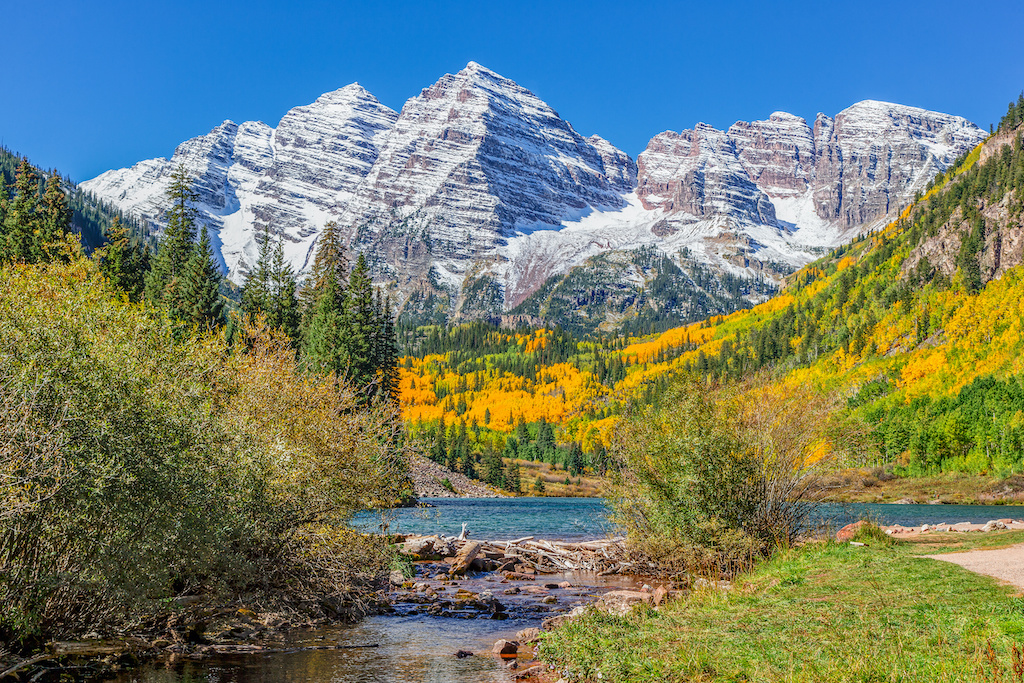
[{"x": 477, "y": 193}]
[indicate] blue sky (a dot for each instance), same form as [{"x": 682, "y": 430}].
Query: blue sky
[{"x": 88, "y": 86}]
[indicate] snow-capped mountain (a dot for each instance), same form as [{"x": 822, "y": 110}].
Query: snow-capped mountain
[
  {"x": 478, "y": 193},
  {"x": 291, "y": 179}
]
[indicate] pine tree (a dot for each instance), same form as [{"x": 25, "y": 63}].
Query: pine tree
[
  {"x": 176, "y": 247},
  {"x": 329, "y": 266},
  {"x": 513, "y": 478},
  {"x": 284, "y": 299},
  {"x": 493, "y": 471},
  {"x": 385, "y": 356},
  {"x": 4, "y": 200},
  {"x": 22, "y": 217},
  {"x": 359, "y": 324},
  {"x": 54, "y": 224},
  {"x": 324, "y": 349},
  {"x": 123, "y": 261},
  {"x": 256, "y": 290},
  {"x": 200, "y": 300}
]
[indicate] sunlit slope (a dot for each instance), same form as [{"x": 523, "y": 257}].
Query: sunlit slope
[{"x": 902, "y": 320}]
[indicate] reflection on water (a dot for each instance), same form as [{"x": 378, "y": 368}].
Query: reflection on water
[{"x": 410, "y": 650}]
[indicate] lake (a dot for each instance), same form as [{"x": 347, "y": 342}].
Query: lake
[{"x": 585, "y": 518}]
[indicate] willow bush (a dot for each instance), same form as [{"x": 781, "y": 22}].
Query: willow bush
[
  {"x": 714, "y": 477},
  {"x": 140, "y": 459}
]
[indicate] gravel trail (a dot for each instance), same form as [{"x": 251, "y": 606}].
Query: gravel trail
[{"x": 1005, "y": 564}]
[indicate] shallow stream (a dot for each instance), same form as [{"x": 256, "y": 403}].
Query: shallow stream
[{"x": 415, "y": 647}]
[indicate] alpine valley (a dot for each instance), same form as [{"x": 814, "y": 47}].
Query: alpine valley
[{"x": 478, "y": 201}]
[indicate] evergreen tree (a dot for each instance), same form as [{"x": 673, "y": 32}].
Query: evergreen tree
[
  {"x": 270, "y": 289},
  {"x": 493, "y": 471},
  {"x": 4, "y": 200},
  {"x": 439, "y": 449},
  {"x": 21, "y": 218},
  {"x": 284, "y": 299},
  {"x": 513, "y": 478},
  {"x": 324, "y": 346},
  {"x": 176, "y": 247},
  {"x": 360, "y": 322},
  {"x": 385, "y": 356},
  {"x": 200, "y": 300},
  {"x": 54, "y": 223},
  {"x": 329, "y": 266},
  {"x": 123, "y": 261},
  {"x": 256, "y": 290}
]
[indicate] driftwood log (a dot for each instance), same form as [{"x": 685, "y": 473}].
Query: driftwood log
[{"x": 522, "y": 556}]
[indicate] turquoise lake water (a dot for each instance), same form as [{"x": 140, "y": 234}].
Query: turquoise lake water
[{"x": 585, "y": 518}]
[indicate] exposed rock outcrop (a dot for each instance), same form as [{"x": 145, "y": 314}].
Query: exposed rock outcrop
[
  {"x": 478, "y": 193},
  {"x": 428, "y": 482}
]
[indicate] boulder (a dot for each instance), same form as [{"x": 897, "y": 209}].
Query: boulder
[
  {"x": 528, "y": 635},
  {"x": 622, "y": 602},
  {"x": 506, "y": 649},
  {"x": 847, "y": 533},
  {"x": 660, "y": 595},
  {"x": 994, "y": 525}
]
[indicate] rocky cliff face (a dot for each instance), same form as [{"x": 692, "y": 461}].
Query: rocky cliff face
[
  {"x": 477, "y": 193},
  {"x": 473, "y": 160},
  {"x": 819, "y": 183},
  {"x": 291, "y": 179}
]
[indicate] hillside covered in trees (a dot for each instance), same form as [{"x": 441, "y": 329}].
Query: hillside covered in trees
[{"x": 919, "y": 326}]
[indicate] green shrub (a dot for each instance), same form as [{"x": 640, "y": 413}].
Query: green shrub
[
  {"x": 714, "y": 477},
  {"x": 140, "y": 459}
]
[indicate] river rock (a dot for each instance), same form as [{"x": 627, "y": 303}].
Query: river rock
[
  {"x": 622, "y": 602},
  {"x": 528, "y": 635},
  {"x": 506, "y": 649}
]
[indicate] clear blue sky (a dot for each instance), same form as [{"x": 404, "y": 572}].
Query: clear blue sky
[{"x": 88, "y": 86}]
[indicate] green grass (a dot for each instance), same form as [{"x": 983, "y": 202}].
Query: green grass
[{"x": 824, "y": 612}]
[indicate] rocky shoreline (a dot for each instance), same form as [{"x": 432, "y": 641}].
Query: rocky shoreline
[
  {"x": 428, "y": 479},
  {"x": 528, "y": 579}
]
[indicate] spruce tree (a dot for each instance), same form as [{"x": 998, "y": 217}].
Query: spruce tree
[
  {"x": 329, "y": 266},
  {"x": 324, "y": 349},
  {"x": 360, "y": 323},
  {"x": 54, "y": 223},
  {"x": 22, "y": 216},
  {"x": 284, "y": 303},
  {"x": 513, "y": 479},
  {"x": 176, "y": 247},
  {"x": 386, "y": 350},
  {"x": 255, "y": 291},
  {"x": 200, "y": 301},
  {"x": 493, "y": 470},
  {"x": 123, "y": 261}
]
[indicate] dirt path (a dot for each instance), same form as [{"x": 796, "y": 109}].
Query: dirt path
[{"x": 1005, "y": 564}]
